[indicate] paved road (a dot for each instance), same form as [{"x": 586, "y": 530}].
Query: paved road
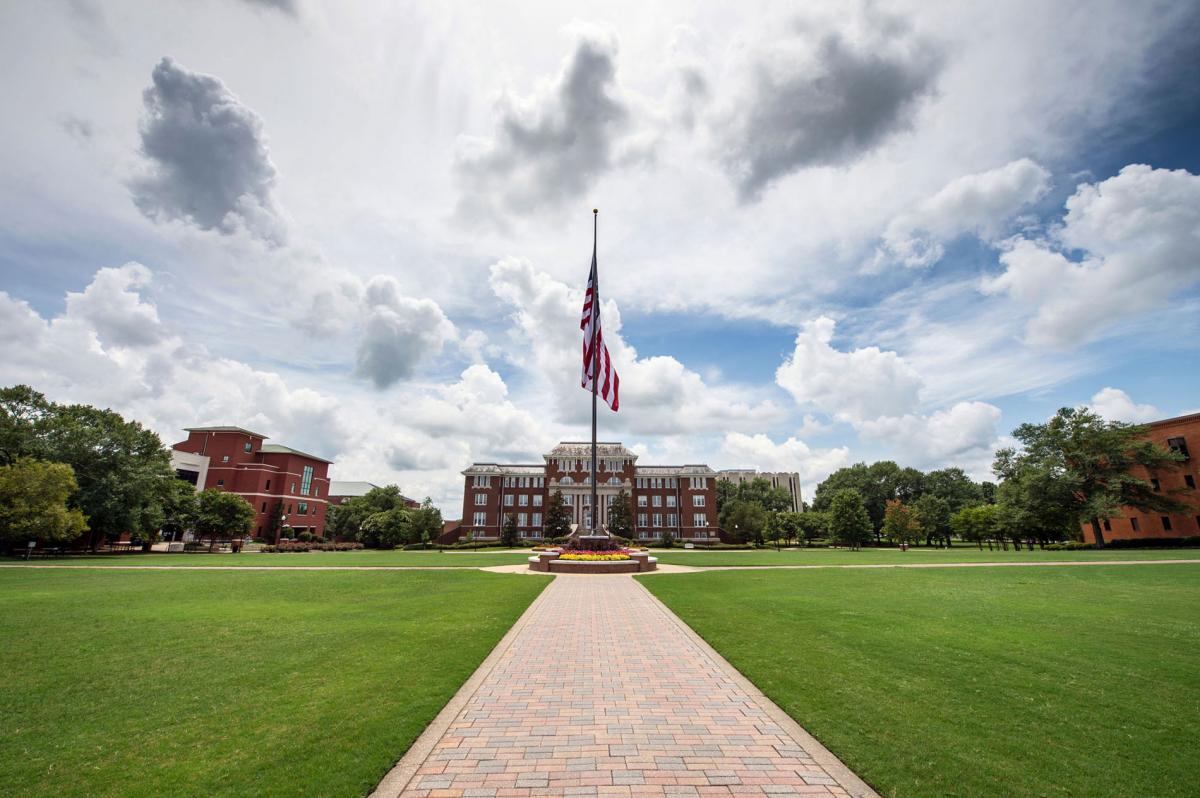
[{"x": 600, "y": 690}]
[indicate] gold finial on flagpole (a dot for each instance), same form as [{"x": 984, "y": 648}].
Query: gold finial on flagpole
[{"x": 595, "y": 210}]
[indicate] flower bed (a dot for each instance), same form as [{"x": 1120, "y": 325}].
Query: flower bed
[{"x": 594, "y": 556}]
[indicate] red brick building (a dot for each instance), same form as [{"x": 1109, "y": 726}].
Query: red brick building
[
  {"x": 1183, "y": 435},
  {"x": 681, "y": 500},
  {"x": 264, "y": 474}
]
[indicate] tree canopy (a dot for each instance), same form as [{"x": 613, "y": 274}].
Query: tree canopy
[
  {"x": 558, "y": 517},
  {"x": 33, "y": 503},
  {"x": 221, "y": 515},
  {"x": 620, "y": 516},
  {"x": 1079, "y": 468},
  {"x": 849, "y": 522}
]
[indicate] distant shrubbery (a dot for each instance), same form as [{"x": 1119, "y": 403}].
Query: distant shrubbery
[
  {"x": 303, "y": 546},
  {"x": 1155, "y": 543}
]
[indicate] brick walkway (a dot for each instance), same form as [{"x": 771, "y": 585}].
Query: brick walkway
[{"x": 600, "y": 690}]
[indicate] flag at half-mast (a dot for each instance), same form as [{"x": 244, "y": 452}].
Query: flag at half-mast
[{"x": 599, "y": 368}]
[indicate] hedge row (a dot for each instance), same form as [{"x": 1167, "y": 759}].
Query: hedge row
[{"x": 286, "y": 547}]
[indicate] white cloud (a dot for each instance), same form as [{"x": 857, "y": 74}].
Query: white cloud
[
  {"x": 1139, "y": 234},
  {"x": 114, "y": 309},
  {"x": 978, "y": 203},
  {"x": 850, "y": 386},
  {"x": 962, "y": 435},
  {"x": 398, "y": 333},
  {"x": 1115, "y": 405},
  {"x": 659, "y": 395},
  {"x": 759, "y": 451}
]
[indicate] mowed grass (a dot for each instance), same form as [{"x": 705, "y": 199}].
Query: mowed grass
[
  {"x": 889, "y": 556},
  {"x": 119, "y": 683},
  {"x": 344, "y": 559},
  {"x": 1071, "y": 681}
]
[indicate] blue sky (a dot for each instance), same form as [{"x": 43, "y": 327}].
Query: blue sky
[{"x": 840, "y": 233}]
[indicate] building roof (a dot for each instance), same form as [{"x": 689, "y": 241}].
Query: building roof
[
  {"x": 225, "y": 429},
  {"x": 350, "y": 488},
  {"x": 584, "y": 449},
  {"x": 1177, "y": 419},
  {"x": 673, "y": 470},
  {"x": 274, "y": 448},
  {"x": 506, "y": 470}
]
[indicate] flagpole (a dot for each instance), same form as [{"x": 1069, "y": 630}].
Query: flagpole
[{"x": 595, "y": 530}]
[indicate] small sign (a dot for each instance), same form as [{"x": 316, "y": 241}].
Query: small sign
[{"x": 31, "y": 544}]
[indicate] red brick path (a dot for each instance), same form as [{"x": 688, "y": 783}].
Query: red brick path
[{"x": 602, "y": 691}]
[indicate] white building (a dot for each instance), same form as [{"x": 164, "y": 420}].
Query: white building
[{"x": 789, "y": 481}]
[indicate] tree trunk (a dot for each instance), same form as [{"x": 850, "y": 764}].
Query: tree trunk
[
  {"x": 1098, "y": 533},
  {"x": 980, "y": 542}
]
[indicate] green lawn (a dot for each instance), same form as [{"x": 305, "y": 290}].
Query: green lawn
[
  {"x": 284, "y": 683},
  {"x": 895, "y": 556},
  {"x": 973, "y": 682},
  {"x": 406, "y": 559}
]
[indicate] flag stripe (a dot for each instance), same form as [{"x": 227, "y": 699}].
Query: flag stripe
[{"x": 597, "y": 363}]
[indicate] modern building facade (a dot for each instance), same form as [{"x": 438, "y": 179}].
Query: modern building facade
[
  {"x": 788, "y": 480},
  {"x": 266, "y": 475},
  {"x": 1183, "y": 435},
  {"x": 679, "y": 500}
]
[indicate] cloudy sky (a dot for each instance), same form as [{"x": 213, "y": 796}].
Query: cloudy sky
[{"x": 843, "y": 233}]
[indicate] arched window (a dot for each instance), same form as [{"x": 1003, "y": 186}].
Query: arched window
[{"x": 566, "y": 481}]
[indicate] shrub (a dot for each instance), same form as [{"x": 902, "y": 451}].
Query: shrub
[
  {"x": 1154, "y": 543},
  {"x": 309, "y": 546},
  {"x": 1069, "y": 545}
]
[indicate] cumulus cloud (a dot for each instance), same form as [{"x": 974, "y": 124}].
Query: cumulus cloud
[
  {"x": 398, "y": 332},
  {"x": 207, "y": 161},
  {"x": 1115, "y": 405},
  {"x": 850, "y": 386},
  {"x": 759, "y": 451},
  {"x": 659, "y": 395},
  {"x": 978, "y": 203},
  {"x": 878, "y": 393},
  {"x": 114, "y": 307},
  {"x": 821, "y": 97},
  {"x": 286, "y": 6},
  {"x": 1139, "y": 235},
  {"x": 553, "y": 144}
]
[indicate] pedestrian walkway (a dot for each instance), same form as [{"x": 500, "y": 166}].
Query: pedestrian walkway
[{"x": 600, "y": 690}]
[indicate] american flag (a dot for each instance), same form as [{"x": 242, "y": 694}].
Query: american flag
[{"x": 609, "y": 383}]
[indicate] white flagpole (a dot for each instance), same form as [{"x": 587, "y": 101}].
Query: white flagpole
[{"x": 595, "y": 362}]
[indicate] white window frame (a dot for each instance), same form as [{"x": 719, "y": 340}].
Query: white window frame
[
  {"x": 480, "y": 499},
  {"x": 698, "y": 501},
  {"x": 508, "y": 500}
]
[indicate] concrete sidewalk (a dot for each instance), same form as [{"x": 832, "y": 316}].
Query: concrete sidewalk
[{"x": 600, "y": 690}]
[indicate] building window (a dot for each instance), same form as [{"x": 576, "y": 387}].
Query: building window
[
  {"x": 566, "y": 481},
  {"x": 522, "y": 519},
  {"x": 480, "y": 519},
  {"x": 670, "y": 501},
  {"x": 224, "y": 458},
  {"x": 1133, "y": 524},
  {"x": 306, "y": 481},
  {"x": 1190, "y": 481},
  {"x": 1166, "y": 521},
  {"x": 508, "y": 500},
  {"x": 1178, "y": 445},
  {"x": 658, "y": 519},
  {"x": 699, "y": 483},
  {"x": 568, "y": 500},
  {"x": 220, "y": 482},
  {"x": 293, "y": 487},
  {"x": 1107, "y": 525},
  {"x": 268, "y": 487},
  {"x": 482, "y": 481},
  {"x": 1154, "y": 485},
  {"x": 302, "y": 508},
  {"x": 699, "y": 519},
  {"x": 641, "y": 519},
  {"x": 537, "y": 520},
  {"x": 524, "y": 500},
  {"x": 657, "y": 501},
  {"x": 537, "y": 500},
  {"x": 641, "y": 501},
  {"x": 264, "y": 507},
  {"x": 480, "y": 499},
  {"x": 697, "y": 501},
  {"x": 247, "y": 447},
  {"x": 672, "y": 520}
]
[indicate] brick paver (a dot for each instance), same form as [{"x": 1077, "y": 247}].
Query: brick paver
[{"x": 602, "y": 691}]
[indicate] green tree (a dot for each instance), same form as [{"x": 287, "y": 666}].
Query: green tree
[
  {"x": 789, "y": 524},
  {"x": 386, "y": 529},
  {"x": 221, "y": 514},
  {"x": 933, "y": 514},
  {"x": 33, "y": 503},
  {"x": 900, "y": 524},
  {"x": 620, "y": 516},
  {"x": 425, "y": 523},
  {"x": 773, "y": 529},
  {"x": 954, "y": 487},
  {"x": 849, "y": 522},
  {"x": 119, "y": 465},
  {"x": 744, "y": 520},
  {"x": 758, "y": 490},
  {"x": 1093, "y": 460},
  {"x": 509, "y": 535},
  {"x": 179, "y": 508},
  {"x": 975, "y": 524},
  {"x": 558, "y": 517},
  {"x": 875, "y": 484},
  {"x": 812, "y": 525}
]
